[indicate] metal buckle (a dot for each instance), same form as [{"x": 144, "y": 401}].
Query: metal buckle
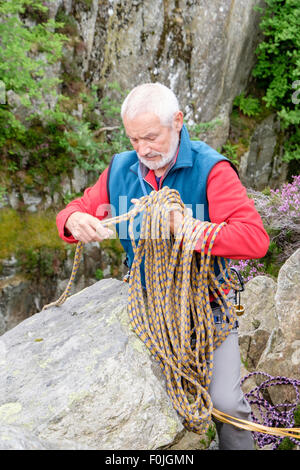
[{"x": 239, "y": 309}]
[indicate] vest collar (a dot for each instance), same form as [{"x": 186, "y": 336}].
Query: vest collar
[{"x": 184, "y": 158}]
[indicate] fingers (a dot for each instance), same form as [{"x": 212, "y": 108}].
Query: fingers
[
  {"x": 86, "y": 228},
  {"x": 102, "y": 232},
  {"x": 188, "y": 212},
  {"x": 176, "y": 219}
]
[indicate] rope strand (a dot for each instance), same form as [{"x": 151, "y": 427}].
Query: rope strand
[{"x": 179, "y": 281}]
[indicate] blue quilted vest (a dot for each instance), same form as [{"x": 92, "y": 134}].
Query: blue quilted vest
[{"x": 188, "y": 176}]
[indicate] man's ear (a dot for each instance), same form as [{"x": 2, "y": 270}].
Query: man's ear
[{"x": 178, "y": 121}]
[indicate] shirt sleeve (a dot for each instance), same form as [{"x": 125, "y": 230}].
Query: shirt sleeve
[
  {"x": 243, "y": 236},
  {"x": 95, "y": 201}
]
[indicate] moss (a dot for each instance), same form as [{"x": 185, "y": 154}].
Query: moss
[
  {"x": 33, "y": 239},
  {"x": 11, "y": 228}
]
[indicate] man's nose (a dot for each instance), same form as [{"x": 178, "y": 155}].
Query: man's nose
[{"x": 143, "y": 148}]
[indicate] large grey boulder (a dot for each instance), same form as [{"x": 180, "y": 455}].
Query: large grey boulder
[
  {"x": 78, "y": 374},
  {"x": 259, "y": 320},
  {"x": 269, "y": 332},
  {"x": 282, "y": 352},
  {"x": 18, "y": 438}
]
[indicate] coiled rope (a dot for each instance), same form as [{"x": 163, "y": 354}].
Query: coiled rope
[
  {"x": 179, "y": 282},
  {"x": 278, "y": 414}
]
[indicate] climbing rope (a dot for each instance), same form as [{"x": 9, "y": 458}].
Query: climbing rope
[
  {"x": 271, "y": 414},
  {"x": 179, "y": 282}
]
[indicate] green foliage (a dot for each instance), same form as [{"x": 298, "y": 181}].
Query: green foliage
[
  {"x": 230, "y": 151},
  {"x": 292, "y": 145},
  {"x": 286, "y": 443},
  {"x": 209, "y": 436},
  {"x": 68, "y": 197},
  {"x": 211, "y": 432},
  {"x": 2, "y": 193},
  {"x": 278, "y": 67},
  {"x": 249, "y": 105},
  {"x": 56, "y": 138},
  {"x": 82, "y": 147},
  {"x": 52, "y": 148},
  {"x": 197, "y": 130},
  {"x": 99, "y": 274},
  {"x": 270, "y": 262},
  {"x": 110, "y": 107},
  {"x": 278, "y": 55},
  {"x": 37, "y": 263},
  {"x": 90, "y": 148},
  {"x": 297, "y": 416},
  {"x": 26, "y": 52}
]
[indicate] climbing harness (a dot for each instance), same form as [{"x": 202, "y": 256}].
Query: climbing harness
[{"x": 179, "y": 282}]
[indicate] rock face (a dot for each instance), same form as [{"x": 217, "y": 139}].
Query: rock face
[
  {"x": 21, "y": 297},
  {"x": 203, "y": 50},
  {"x": 79, "y": 376},
  {"x": 270, "y": 329},
  {"x": 262, "y": 165}
]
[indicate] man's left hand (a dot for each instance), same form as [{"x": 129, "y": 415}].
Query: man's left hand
[{"x": 176, "y": 218}]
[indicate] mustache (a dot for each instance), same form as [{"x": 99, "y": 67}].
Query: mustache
[{"x": 152, "y": 154}]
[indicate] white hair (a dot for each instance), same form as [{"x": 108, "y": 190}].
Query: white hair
[{"x": 151, "y": 98}]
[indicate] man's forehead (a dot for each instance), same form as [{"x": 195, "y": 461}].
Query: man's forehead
[{"x": 143, "y": 124}]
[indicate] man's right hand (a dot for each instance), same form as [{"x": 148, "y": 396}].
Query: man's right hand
[{"x": 86, "y": 228}]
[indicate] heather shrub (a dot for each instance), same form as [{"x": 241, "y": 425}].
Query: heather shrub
[
  {"x": 249, "y": 268},
  {"x": 285, "y": 202},
  {"x": 280, "y": 212}
]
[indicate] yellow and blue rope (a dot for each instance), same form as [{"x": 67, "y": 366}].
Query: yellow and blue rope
[{"x": 178, "y": 287}]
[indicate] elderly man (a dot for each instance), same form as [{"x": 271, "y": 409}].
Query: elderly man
[{"x": 164, "y": 155}]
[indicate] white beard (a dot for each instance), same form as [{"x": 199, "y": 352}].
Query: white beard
[{"x": 165, "y": 157}]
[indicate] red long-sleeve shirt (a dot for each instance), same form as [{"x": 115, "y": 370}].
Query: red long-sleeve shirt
[{"x": 244, "y": 236}]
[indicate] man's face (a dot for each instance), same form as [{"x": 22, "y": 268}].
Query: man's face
[{"x": 154, "y": 143}]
